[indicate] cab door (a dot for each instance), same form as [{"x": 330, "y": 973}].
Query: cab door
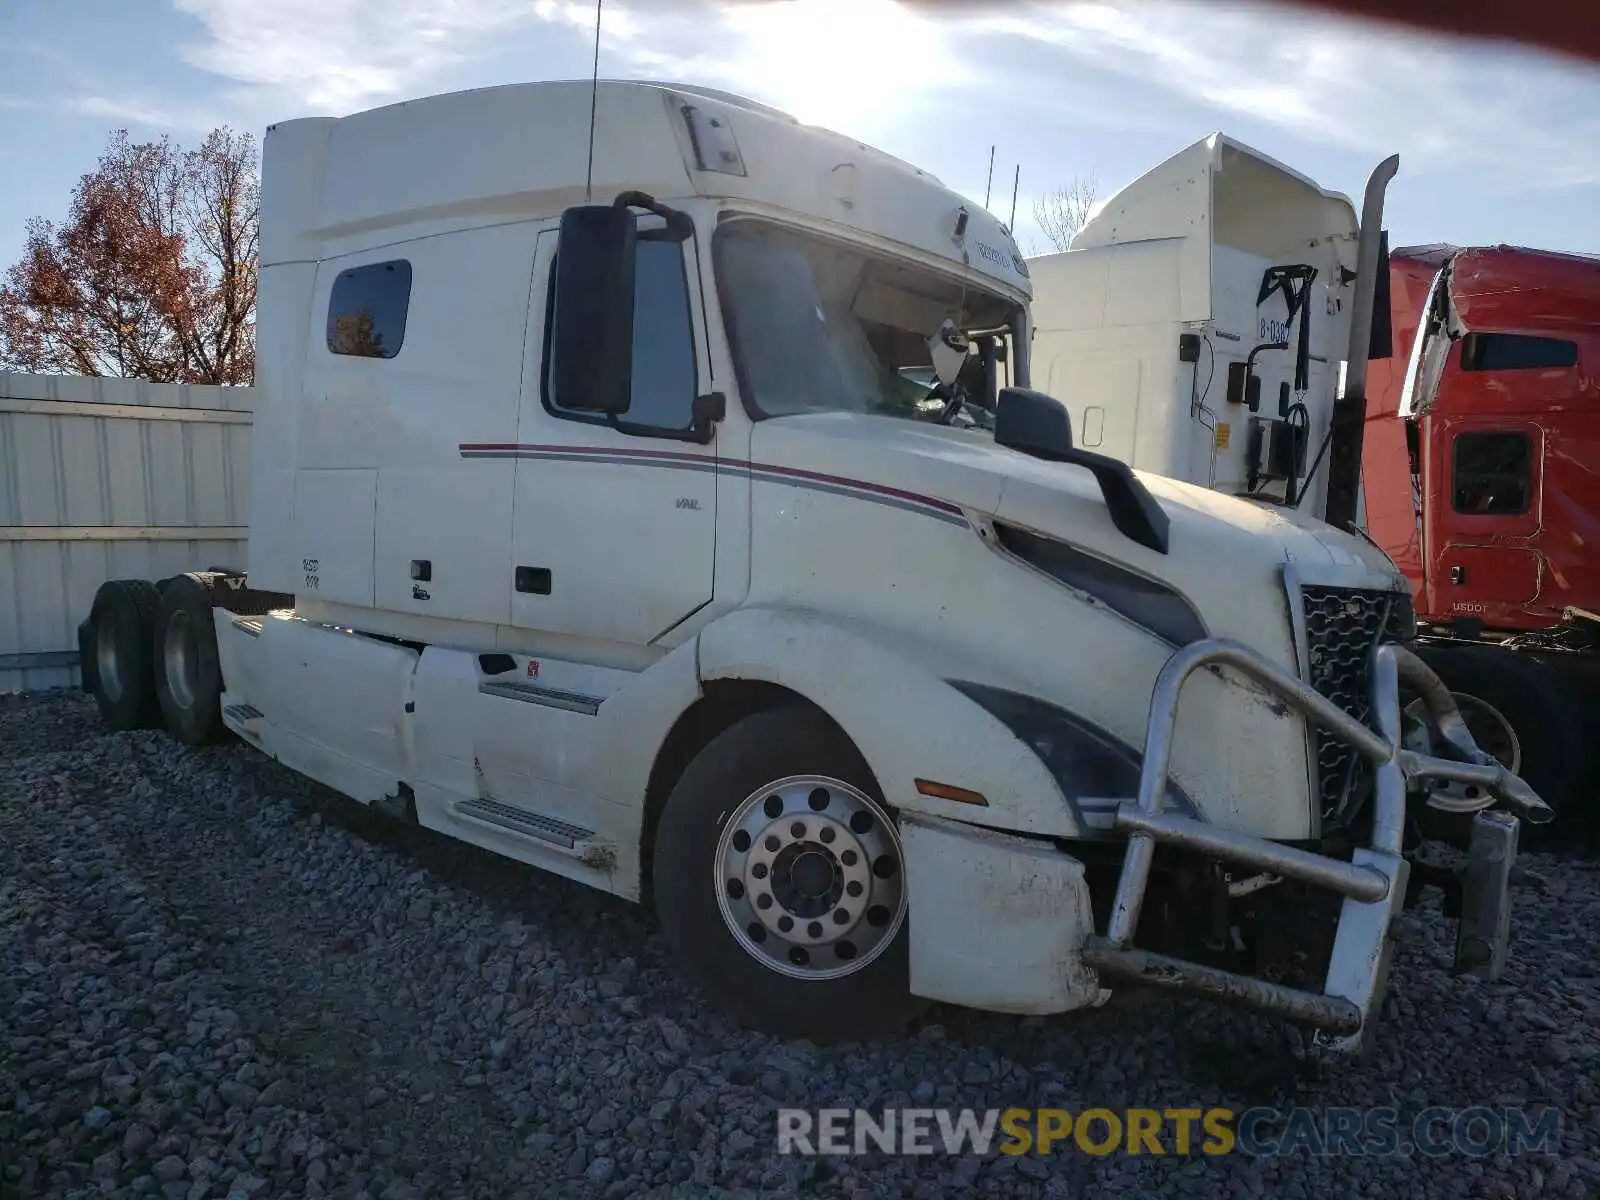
[
  {"x": 1485, "y": 513},
  {"x": 1488, "y": 445},
  {"x": 615, "y": 521}
]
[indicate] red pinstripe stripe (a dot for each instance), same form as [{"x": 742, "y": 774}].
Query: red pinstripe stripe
[{"x": 678, "y": 456}]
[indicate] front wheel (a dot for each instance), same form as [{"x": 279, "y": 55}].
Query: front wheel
[{"x": 780, "y": 883}]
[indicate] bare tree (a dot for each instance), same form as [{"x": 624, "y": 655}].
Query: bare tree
[
  {"x": 1065, "y": 210},
  {"x": 151, "y": 275},
  {"x": 222, "y": 215}
]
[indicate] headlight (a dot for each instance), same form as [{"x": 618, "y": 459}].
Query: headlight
[
  {"x": 1094, "y": 770},
  {"x": 1148, "y": 603}
]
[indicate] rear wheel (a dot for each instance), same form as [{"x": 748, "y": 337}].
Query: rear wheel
[
  {"x": 1524, "y": 714},
  {"x": 118, "y": 668},
  {"x": 780, "y": 885},
  {"x": 188, "y": 673}
]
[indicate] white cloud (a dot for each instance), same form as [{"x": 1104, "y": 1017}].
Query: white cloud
[
  {"x": 82, "y": 91},
  {"x": 835, "y": 62},
  {"x": 336, "y": 56},
  {"x": 863, "y": 65},
  {"x": 130, "y": 110},
  {"x": 853, "y": 65},
  {"x": 1328, "y": 81}
]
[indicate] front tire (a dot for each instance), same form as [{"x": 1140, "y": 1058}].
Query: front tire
[{"x": 780, "y": 885}]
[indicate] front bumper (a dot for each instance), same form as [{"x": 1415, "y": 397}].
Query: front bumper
[{"x": 1372, "y": 882}]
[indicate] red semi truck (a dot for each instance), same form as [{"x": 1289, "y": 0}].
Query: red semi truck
[{"x": 1481, "y": 470}]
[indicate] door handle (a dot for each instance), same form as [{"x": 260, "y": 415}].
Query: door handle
[{"x": 535, "y": 580}]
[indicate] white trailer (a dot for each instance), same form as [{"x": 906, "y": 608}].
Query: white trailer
[
  {"x": 1198, "y": 325},
  {"x": 627, "y": 538},
  {"x": 1210, "y": 325}
]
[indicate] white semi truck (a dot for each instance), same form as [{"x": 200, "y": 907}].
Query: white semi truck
[
  {"x": 665, "y": 506},
  {"x": 1209, "y": 325},
  {"x": 1198, "y": 326}
]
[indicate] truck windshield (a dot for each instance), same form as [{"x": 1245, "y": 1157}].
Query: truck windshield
[{"x": 817, "y": 326}]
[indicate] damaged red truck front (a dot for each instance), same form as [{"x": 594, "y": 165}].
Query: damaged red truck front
[{"x": 1482, "y": 476}]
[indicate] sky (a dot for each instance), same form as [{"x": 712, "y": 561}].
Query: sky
[{"x": 1496, "y": 144}]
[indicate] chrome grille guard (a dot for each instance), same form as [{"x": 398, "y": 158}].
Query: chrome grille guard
[{"x": 1373, "y": 882}]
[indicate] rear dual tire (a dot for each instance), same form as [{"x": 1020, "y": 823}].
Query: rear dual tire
[
  {"x": 149, "y": 655},
  {"x": 188, "y": 672},
  {"x": 117, "y": 656}
]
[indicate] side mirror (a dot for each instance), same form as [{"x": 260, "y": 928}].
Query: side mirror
[
  {"x": 705, "y": 414},
  {"x": 591, "y": 333},
  {"x": 1243, "y": 386},
  {"x": 1238, "y": 372},
  {"x": 1038, "y": 425},
  {"x": 1032, "y": 422}
]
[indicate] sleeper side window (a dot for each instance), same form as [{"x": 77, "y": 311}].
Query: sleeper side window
[
  {"x": 1516, "y": 352},
  {"x": 665, "y": 380},
  {"x": 1492, "y": 473},
  {"x": 367, "y": 310}
]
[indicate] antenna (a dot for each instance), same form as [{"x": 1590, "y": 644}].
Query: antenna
[
  {"x": 1012, "y": 223},
  {"x": 988, "y": 183},
  {"x": 594, "y": 96}
]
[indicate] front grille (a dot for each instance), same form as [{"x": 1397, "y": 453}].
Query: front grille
[{"x": 1342, "y": 626}]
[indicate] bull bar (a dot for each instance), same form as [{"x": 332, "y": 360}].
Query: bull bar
[{"x": 1373, "y": 882}]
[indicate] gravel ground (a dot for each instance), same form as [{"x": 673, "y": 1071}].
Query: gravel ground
[{"x": 218, "y": 981}]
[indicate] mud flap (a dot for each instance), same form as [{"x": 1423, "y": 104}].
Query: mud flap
[{"x": 1484, "y": 933}]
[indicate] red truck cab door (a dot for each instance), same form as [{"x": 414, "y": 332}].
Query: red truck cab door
[{"x": 1502, "y": 413}]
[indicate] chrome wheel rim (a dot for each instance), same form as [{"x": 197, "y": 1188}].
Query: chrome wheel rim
[
  {"x": 108, "y": 659},
  {"x": 180, "y": 656},
  {"x": 1489, "y": 728},
  {"x": 810, "y": 879}
]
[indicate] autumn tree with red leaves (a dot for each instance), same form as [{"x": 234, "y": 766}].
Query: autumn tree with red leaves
[{"x": 153, "y": 272}]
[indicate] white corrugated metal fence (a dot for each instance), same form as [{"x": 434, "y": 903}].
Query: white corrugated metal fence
[{"x": 108, "y": 479}]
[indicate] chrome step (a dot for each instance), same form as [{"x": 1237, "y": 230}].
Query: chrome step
[
  {"x": 549, "y": 697},
  {"x": 530, "y": 824}
]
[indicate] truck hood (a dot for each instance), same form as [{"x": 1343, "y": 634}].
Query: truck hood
[{"x": 1219, "y": 545}]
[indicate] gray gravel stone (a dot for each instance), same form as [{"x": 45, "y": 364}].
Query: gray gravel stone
[
  {"x": 221, "y": 981},
  {"x": 240, "y": 1095},
  {"x": 137, "y": 1139},
  {"x": 280, "y": 1091}
]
